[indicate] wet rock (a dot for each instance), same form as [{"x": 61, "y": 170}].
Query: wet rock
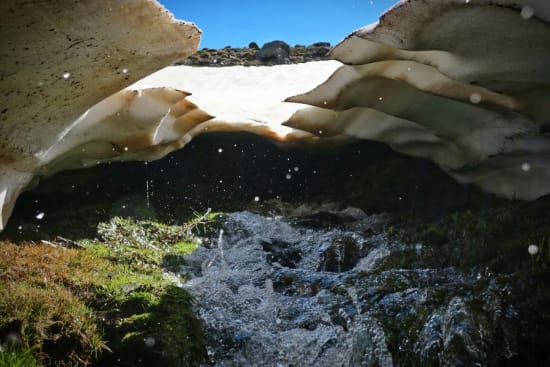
[
  {"x": 282, "y": 253},
  {"x": 267, "y": 297},
  {"x": 340, "y": 256}
]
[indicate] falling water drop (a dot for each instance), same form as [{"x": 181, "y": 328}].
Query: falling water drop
[
  {"x": 66, "y": 75},
  {"x": 149, "y": 341},
  {"x": 533, "y": 249},
  {"x": 527, "y": 12},
  {"x": 147, "y": 188},
  {"x": 475, "y": 98}
]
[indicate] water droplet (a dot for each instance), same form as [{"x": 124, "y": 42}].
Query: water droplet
[
  {"x": 220, "y": 150},
  {"x": 320, "y": 131},
  {"x": 527, "y": 12},
  {"x": 256, "y": 198},
  {"x": 533, "y": 250},
  {"x": 525, "y": 167},
  {"x": 288, "y": 176},
  {"x": 20, "y": 228},
  {"x": 124, "y": 70},
  {"x": 296, "y": 169},
  {"x": 66, "y": 75},
  {"x": 324, "y": 102},
  {"x": 475, "y": 98},
  {"x": 149, "y": 342},
  {"x": 40, "y": 215},
  {"x": 125, "y": 149},
  {"x": 380, "y": 98}
]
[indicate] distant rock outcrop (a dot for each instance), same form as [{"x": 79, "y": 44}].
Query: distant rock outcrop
[
  {"x": 246, "y": 56},
  {"x": 276, "y": 51}
]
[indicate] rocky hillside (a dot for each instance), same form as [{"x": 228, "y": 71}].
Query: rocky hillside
[{"x": 276, "y": 52}]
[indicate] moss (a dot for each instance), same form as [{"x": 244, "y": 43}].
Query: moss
[
  {"x": 433, "y": 235},
  {"x": 104, "y": 300},
  {"x": 14, "y": 356},
  {"x": 401, "y": 335},
  {"x": 44, "y": 292}
]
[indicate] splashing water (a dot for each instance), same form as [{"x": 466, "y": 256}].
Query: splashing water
[
  {"x": 264, "y": 299},
  {"x": 147, "y": 187}
]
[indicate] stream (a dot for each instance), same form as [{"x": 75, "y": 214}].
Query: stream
[{"x": 332, "y": 288}]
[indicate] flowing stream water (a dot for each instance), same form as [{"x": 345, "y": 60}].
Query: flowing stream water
[{"x": 321, "y": 290}]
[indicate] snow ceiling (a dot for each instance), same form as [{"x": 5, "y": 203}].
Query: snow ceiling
[{"x": 464, "y": 84}]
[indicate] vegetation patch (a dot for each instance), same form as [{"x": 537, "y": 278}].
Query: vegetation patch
[{"x": 106, "y": 301}]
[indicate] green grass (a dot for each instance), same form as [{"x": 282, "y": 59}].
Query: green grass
[
  {"x": 12, "y": 356},
  {"x": 101, "y": 301}
]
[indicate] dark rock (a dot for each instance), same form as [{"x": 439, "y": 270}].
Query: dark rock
[
  {"x": 275, "y": 51},
  {"x": 321, "y": 44},
  {"x": 281, "y": 252},
  {"x": 317, "y": 52},
  {"x": 253, "y": 45},
  {"x": 340, "y": 256}
]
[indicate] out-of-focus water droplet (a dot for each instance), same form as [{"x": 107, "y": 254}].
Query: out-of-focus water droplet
[
  {"x": 475, "y": 98},
  {"x": 527, "y": 12},
  {"x": 124, "y": 70},
  {"x": 288, "y": 176},
  {"x": 533, "y": 250},
  {"x": 220, "y": 150},
  {"x": 66, "y": 75},
  {"x": 526, "y": 167},
  {"x": 40, "y": 215},
  {"x": 296, "y": 169},
  {"x": 320, "y": 131},
  {"x": 324, "y": 102},
  {"x": 256, "y": 198},
  {"x": 380, "y": 98},
  {"x": 125, "y": 149},
  {"x": 150, "y": 341}
]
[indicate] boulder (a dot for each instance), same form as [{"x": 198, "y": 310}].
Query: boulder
[{"x": 275, "y": 51}]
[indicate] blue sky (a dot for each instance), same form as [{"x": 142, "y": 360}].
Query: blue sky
[{"x": 237, "y": 23}]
